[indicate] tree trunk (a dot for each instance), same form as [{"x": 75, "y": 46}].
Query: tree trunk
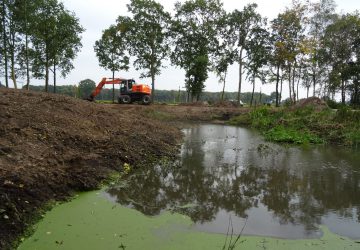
[
  {"x": 314, "y": 84},
  {"x": 152, "y": 86},
  {"x": 281, "y": 89},
  {"x": 253, "y": 91},
  {"x": 307, "y": 94},
  {"x": 13, "y": 75},
  {"x": 240, "y": 74},
  {"x": 297, "y": 86},
  {"x": 46, "y": 73},
  {"x": 277, "y": 85},
  {"x": 4, "y": 45},
  {"x": 356, "y": 98},
  {"x": 12, "y": 35},
  {"x": 223, "y": 91},
  {"x": 27, "y": 61},
  {"x": 27, "y": 49},
  {"x": 113, "y": 93},
  {"x": 290, "y": 94},
  {"x": 293, "y": 84},
  {"x": 342, "y": 91},
  {"x": 54, "y": 69}
]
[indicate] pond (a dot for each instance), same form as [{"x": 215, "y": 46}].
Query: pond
[
  {"x": 230, "y": 175},
  {"x": 227, "y": 179}
]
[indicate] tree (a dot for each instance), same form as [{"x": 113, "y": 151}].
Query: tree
[
  {"x": 42, "y": 39},
  {"x": 241, "y": 23},
  {"x": 322, "y": 15},
  {"x": 13, "y": 41},
  {"x": 354, "y": 88},
  {"x": 339, "y": 51},
  {"x": 276, "y": 63},
  {"x": 25, "y": 10},
  {"x": 288, "y": 32},
  {"x": 111, "y": 49},
  {"x": 66, "y": 44},
  {"x": 195, "y": 32},
  {"x": 149, "y": 37},
  {"x": 86, "y": 87},
  {"x": 4, "y": 50},
  {"x": 225, "y": 53},
  {"x": 258, "y": 50},
  {"x": 56, "y": 31}
]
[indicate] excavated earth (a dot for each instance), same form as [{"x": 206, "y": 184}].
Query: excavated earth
[{"x": 52, "y": 146}]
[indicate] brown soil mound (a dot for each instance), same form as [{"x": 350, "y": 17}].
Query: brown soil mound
[
  {"x": 179, "y": 114},
  {"x": 52, "y": 145},
  {"x": 195, "y": 104},
  {"x": 227, "y": 104},
  {"x": 315, "y": 102}
]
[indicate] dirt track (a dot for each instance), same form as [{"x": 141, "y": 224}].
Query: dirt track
[{"x": 52, "y": 145}]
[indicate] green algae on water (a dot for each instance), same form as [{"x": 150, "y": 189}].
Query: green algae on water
[{"x": 92, "y": 222}]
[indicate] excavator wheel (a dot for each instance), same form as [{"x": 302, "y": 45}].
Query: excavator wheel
[
  {"x": 124, "y": 99},
  {"x": 146, "y": 99}
]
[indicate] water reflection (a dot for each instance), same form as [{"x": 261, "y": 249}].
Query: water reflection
[{"x": 223, "y": 171}]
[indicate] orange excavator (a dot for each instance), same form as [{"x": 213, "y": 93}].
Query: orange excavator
[{"x": 129, "y": 91}]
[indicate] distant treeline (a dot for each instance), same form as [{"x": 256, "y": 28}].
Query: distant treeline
[
  {"x": 162, "y": 96},
  {"x": 307, "y": 46}
]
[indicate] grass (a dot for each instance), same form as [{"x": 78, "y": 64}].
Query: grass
[{"x": 304, "y": 125}]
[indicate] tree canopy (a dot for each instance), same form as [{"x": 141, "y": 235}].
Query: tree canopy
[
  {"x": 308, "y": 45},
  {"x": 38, "y": 36}
]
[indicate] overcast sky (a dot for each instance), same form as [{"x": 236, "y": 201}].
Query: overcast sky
[{"x": 96, "y": 15}]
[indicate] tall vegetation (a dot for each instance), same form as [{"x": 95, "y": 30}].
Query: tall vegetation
[
  {"x": 149, "y": 37},
  {"x": 195, "y": 35},
  {"x": 111, "y": 49},
  {"x": 297, "y": 49},
  {"x": 242, "y": 24},
  {"x": 144, "y": 36},
  {"x": 37, "y": 37},
  {"x": 308, "y": 45}
]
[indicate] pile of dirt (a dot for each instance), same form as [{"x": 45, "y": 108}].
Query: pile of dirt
[
  {"x": 196, "y": 104},
  {"x": 227, "y": 104},
  {"x": 314, "y": 102},
  {"x": 52, "y": 145},
  {"x": 179, "y": 114}
]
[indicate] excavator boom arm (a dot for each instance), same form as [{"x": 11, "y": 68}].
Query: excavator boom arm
[{"x": 103, "y": 82}]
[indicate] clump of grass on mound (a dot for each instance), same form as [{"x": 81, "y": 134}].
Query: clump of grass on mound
[
  {"x": 304, "y": 125},
  {"x": 289, "y": 135}
]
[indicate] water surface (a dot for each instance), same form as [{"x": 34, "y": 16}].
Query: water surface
[{"x": 227, "y": 176}]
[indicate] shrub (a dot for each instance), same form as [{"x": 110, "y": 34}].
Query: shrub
[{"x": 333, "y": 104}]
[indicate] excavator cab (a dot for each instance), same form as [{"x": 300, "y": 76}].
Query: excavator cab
[
  {"x": 126, "y": 86},
  {"x": 130, "y": 91}
]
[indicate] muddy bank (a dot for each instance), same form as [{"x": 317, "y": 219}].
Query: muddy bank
[
  {"x": 52, "y": 145},
  {"x": 182, "y": 113}
]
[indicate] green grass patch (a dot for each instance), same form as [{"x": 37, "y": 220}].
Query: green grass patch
[
  {"x": 290, "y": 135},
  {"x": 304, "y": 125}
]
